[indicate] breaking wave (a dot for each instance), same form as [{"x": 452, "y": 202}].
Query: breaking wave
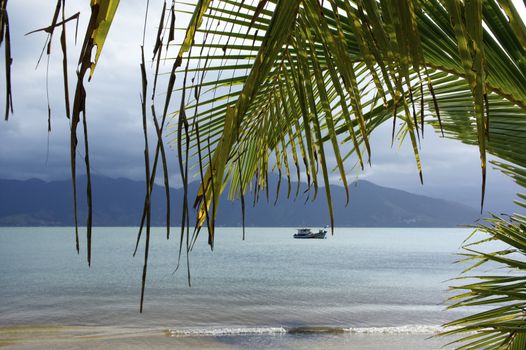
[
  {"x": 407, "y": 329},
  {"x": 225, "y": 331},
  {"x": 235, "y": 331}
]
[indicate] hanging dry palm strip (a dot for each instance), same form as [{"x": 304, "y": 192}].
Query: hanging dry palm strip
[
  {"x": 149, "y": 178},
  {"x": 102, "y": 13},
  {"x": 5, "y": 38},
  {"x": 158, "y": 48},
  {"x": 159, "y": 129},
  {"x": 59, "y": 10},
  {"x": 50, "y": 30},
  {"x": 183, "y": 128},
  {"x": 63, "y": 46},
  {"x": 157, "y": 52},
  {"x": 146, "y": 168},
  {"x": 150, "y": 174},
  {"x": 159, "y": 151},
  {"x": 195, "y": 128},
  {"x": 201, "y": 175}
]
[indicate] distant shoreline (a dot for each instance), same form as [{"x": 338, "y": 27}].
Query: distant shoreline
[{"x": 118, "y": 203}]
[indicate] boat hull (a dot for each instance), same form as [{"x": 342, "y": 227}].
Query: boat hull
[{"x": 318, "y": 235}]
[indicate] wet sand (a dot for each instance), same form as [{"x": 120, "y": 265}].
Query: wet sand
[{"x": 84, "y": 338}]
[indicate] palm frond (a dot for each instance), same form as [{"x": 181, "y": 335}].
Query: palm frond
[
  {"x": 344, "y": 65},
  {"x": 502, "y": 325},
  {"x": 5, "y": 38},
  {"x": 337, "y": 71}
]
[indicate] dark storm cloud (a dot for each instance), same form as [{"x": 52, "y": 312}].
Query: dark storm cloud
[{"x": 113, "y": 106}]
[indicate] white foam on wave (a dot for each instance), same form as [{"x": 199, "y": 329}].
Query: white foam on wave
[
  {"x": 406, "y": 329},
  {"x": 233, "y": 331},
  {"x": 225, "y": 331}
]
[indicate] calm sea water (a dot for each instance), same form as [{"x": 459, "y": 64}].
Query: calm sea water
[{"x": 361, "y": 278}]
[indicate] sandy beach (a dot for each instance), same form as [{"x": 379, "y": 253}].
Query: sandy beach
[{"x": 84, "y": 338}]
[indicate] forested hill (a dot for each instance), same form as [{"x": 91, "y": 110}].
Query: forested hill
[{"x": 118, "y": 202}]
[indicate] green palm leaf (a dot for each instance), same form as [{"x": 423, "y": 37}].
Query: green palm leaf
[{"x": 281, "y": 86}]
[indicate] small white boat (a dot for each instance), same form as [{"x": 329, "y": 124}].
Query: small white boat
[{"x": 304, "y": 233}]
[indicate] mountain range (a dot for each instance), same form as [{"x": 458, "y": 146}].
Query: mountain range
[{"x": 118, "y": 202}]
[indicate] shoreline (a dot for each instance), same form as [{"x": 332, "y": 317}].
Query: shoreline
[{"x": 31, "y": 337}]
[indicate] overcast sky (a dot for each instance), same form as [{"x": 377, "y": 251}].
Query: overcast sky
[{"x": 451, "y": 170}]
